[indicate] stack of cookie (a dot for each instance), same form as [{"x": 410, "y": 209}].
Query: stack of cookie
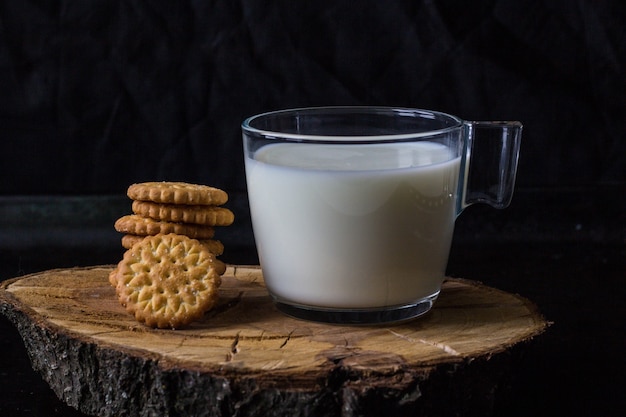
[
  {"x": 175, "y": 207},
  {"x": 169, "y": 275}
]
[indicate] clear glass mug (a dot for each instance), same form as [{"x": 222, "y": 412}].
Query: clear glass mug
[{"x": 353, "y": 208}]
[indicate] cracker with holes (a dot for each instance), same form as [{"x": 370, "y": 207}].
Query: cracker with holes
[
  {"x": 168, "y": 281},
  {"x": 169, "y": 192},
  {"x": 214, "y": 246},
  {"x": 181, "y": 213},
  {"x": 135, "y": 224}
]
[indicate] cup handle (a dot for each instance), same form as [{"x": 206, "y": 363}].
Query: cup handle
[{"x": 489, "y": 163}]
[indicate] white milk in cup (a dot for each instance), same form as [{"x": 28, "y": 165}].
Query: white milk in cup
[{"x": 353, "y": 208}]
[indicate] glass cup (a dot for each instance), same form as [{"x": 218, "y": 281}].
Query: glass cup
[{"x": 353, "y": 208}]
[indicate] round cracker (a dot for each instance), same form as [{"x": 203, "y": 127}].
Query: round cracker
[
  {"x": 194, "y": 214},
  {"x": 168, "y": 192},
  {"x": 134, "y": 224},
  {"x": 168, "y": 281},
  {"x": 214, "y": 246}
]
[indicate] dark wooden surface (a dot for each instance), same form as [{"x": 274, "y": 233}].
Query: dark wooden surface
[{"x": 565, "y": 251}]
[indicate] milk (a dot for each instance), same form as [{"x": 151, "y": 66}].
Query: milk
[{"x": 353, "y": 226}]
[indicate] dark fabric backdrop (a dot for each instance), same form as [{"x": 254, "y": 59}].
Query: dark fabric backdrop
[{"x": 95, "y": 95}]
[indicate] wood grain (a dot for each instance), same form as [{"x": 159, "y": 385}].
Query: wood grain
[{"x": 245, "y": 358}]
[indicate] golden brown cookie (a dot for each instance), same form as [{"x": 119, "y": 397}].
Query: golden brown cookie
[
  {"x": 168, "y": 281},
  {"x": 195, "y": 214},
  {"x": 134, "y": 224},
  {"x": 177, "y": 193},
  {"x": 214, "y": 246}
]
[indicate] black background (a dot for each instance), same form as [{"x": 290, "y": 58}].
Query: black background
[
  {"x": 96, "y": 95},
  {"x": 100, "y": 94}
]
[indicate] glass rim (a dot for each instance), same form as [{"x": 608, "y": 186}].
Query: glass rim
[{"x": 299, "y": 137}]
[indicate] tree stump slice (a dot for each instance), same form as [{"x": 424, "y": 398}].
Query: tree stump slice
[{"x": 246, "y": 358}]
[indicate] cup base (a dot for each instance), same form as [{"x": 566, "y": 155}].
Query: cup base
[{"x": 357, "y": 316}]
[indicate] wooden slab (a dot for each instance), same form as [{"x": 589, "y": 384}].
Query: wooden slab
[{"x": 246, "y": 358}]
